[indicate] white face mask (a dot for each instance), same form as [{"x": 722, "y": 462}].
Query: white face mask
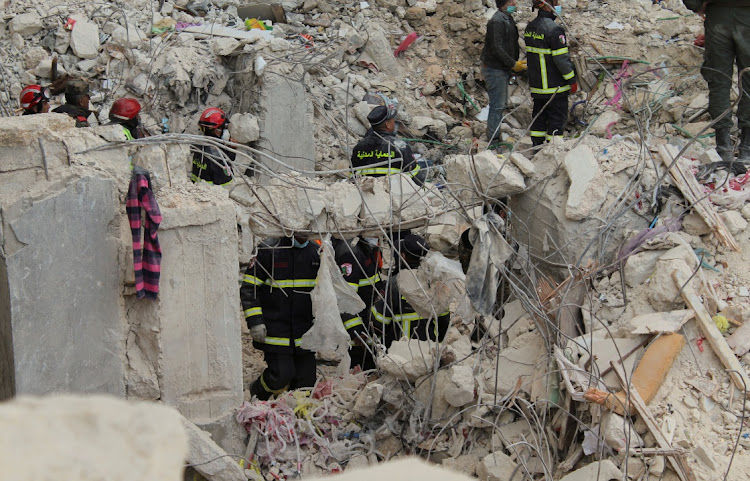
[{"x": 225, "y": 135}]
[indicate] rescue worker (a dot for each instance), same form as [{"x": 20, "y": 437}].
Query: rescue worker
[
  {"x": 551, "y": 73},
  {"x": 275, "y": 297},
  {"x": 727, "y": 26},
  {"x": 500, "y": 57},
  {"x": 209, "y": 162},
  {"x": 360, "y": 263},
  {"x": 34, "y": 100},
  {"x": 381, "y": 145},
  {"x": 76, "y": 103},
  {"x": 125, "y": 112},
  {"x": 393, "y": 316}
]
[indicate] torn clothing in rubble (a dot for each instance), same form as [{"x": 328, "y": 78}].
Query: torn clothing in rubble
[
  {"x": 396, "y": 318},
  {"x": 146, "y": 255},
  {"x": 207, "y": 166},
  {"x": 378, "y": 147}
]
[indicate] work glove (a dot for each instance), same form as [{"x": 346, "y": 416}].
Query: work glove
[
  {"x": 258, "y": 333},
  {"x": 574, "y": 88},
  {"x": 520, "y": 66}
]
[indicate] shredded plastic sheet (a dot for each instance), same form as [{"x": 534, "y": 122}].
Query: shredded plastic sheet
[
  {"x": 331, "y": 297},
  {"x": 489, "y": 253}
]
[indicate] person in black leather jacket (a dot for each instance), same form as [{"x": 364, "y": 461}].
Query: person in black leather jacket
[
  {"x": 500, "y": 57},
  {"x": 380, "y": 145},
  {"x": 76, "y": 103}
]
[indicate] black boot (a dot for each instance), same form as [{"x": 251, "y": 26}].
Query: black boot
[
  {"x": 745, "y": 146},
  {"x": 724, "y": 146}
]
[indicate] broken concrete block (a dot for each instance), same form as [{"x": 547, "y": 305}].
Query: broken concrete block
[
  {"x": 460, "y": 390},
  {"x": 90, "y": 438},
  {"x": 618, "y": 432},
  {"x": 526, "y": 166},
  {"x": 664, "y": 295},
  {"x": 243, "y": 128},
  {"x": 44, "y": 69},
  {"x": 522, "y": 358},
  {"x": 496, "y": 466},
  {"x": 368, "y": 400},
  {"x": 709, "y": 156},
  {"x": 427, "y": 394},
  {"x": 661, "y": 322},
  {"x": 704, "y": 457},
  {"x": 694, "y": 224},
  {"x": 584, "y": 196},
  {"x": 734, "y": 221},
  {"x": 597, "y": 471},
  {"x": 408, "y": 200},
  {"x": 609, "y": 118},
  {"x": 640, "y": 266},
  {"x": 33, "y": 56},
  {"x": 466, "y": 464},
  {"x": 84, "y": 40},
  {"x": 422, "y": 124},
  {"x": 223, "y": 46},
  {"x": 379, "y": 49},
  {"x": 25, "y": 24},
  {"x": 485, "y": 172},
  {"x": 408, "y": 359},
  {"x": 129, "y": 37},
  {"x": 203, "y": 449}
]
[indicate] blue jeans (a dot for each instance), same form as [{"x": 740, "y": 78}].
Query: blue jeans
[{"x": 496, "y": 81}]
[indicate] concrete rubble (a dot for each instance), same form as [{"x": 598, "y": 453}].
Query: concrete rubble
[{"x": 588, "y": 311}]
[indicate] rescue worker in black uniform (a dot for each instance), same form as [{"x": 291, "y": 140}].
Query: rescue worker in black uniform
[
  {"x": 275, "y": 297},
  {"x": 209, "y": 164},
  {"x": 551, "y": 73},
  {"x": 380, "y": 145},
  {"x": 125, "y": 112},
  {"x": 393, "y": 316},
  {"x": 360, "y": 262},
  {"x": 34, "y": 100},
  {"x": 727, "y": 25},
  {"x": 76, "y": 103}
]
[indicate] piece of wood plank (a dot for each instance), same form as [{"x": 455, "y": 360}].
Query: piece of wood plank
[
  {"x": 678, "y": 462},
  {"x": 693, "y": 192},
  {"x": 739, "y": 341},
  {"x": 661, "y": 322},
  {"x": 712, "y": 334}
]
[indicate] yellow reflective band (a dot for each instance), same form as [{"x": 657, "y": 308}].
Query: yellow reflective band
[
  {"x": 537, "y": 133},
  {"x": 379, "y": 171},
  {"x": 353, "y": 322},
  {"x": 560, "y": 51},
  {"x": 380, "y": 317},
  {"x": 276, "y": 341},
  {"x": 551, "y": 91},
  {"x": 127, "y": 133},
  {"x": 543, "y": 66},
  {"x": 283, "y": 283},
  {"x": 268, "y": 389},
  {"x": 195, "y": 178},
  {"x": 413, "y": 316},
  {"x": 227, "y": 182},
  {"x": 407, "y": 328},
  {"x": 355, "y": 285},
  {"x": 298, "y": 342},
  {"x": 252, "y": 280},
  {"x": 253, "y": 311},
  {"x": 540, "y": 51},
  {"x": 370, "y": 281},
  {"x": 415, "y": 171},
  {"x": 550, "y": 137},
  {"x": 569, "y": 76}
]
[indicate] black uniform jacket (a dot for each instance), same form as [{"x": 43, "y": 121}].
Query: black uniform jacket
[
  {"x": 501, "y": 42},
  {"x": 381, "y": 147},
  {"x": 550, "y": 68},
  {"x": 80, "y": 114},
  {"x": 276, "y": 292},
  {"x": 206, "y": 168},
  {"x": 360, "y": 266}
]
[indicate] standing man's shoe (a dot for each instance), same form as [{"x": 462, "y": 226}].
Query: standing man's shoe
[{"x": 724, "y": 146}]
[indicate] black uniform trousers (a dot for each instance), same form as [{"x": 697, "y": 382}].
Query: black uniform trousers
[
  {"x": 549, "y": 117},
  {"x": 290, "y": 369}
]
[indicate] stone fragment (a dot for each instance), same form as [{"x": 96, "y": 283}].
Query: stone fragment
[
  {"x": 243, "y": 128},
  {"x": 734, "y": 221},
  {"x": 209, "y": 459},
  {"x": 33, "y": 56},
  {"x": 84, "y": 40},
  {"x": 460, "y": 390},
  {"x": 496, "y": 466},
  {"x": 486, "y": 173},
  {"x": 709, "y": 156},
  {"x": 44, "y": 69},
  {"x": 90, "y": 438},
  {"x": 25, "y": 24},
  {"x": 223, "y": 46},
  {"x": 128, "y": 37},
  {"x": 597, "y": 471},
  {"x": 584, "y": 196},
  {"x": 639, "y": 267},
  {"x": 379, "y": 49},
  {"x": 526, "y": 166},
  {"x": 408, "y": 359},
  {"x": 609, "y": 118},
  {"x": 694, "y": 224},
  {"x": 618, "y": 433},
  {"x": 664, "y": 295},
  {"x": 704, "y": 457},
  {"x": 423, "y": 124},
  {"x": 368, "y": 400},
  {"x": 466, "y": 464},
  {"x": 415, "y": 15}
]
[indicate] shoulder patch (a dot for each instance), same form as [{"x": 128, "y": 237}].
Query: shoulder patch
[
  {"x": 562, "y": 39},
  {"x": 346, "y": 269}
]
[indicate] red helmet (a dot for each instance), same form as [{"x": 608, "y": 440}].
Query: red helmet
[
  {"x": 213, "y": 118},
  {"x": 32, "y": 95},
  {"x": 124, "y": 109}
]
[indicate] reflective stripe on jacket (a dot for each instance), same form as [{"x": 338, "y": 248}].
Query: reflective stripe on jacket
[
  {"x": 549, "y": 66},
  {"x": 376, "y": 147}
]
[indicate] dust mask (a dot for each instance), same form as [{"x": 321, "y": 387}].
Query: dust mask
[
  {"x": 558, "y": 10},
  {"x": 510, "y": 10},
  {"x": 225, "y": 135},
  {"x": 296, "y": 243}
]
